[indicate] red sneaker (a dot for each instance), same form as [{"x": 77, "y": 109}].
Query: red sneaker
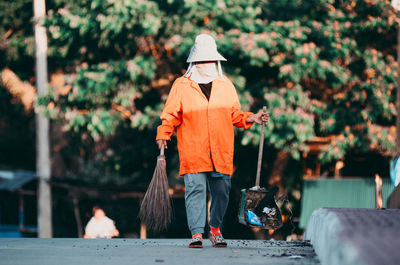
[
  {"x": 197, "y": 241},
  {"x": 216, "y": 238}
]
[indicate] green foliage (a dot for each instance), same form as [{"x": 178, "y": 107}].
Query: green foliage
[
  {"x": 316, "y": 70},
  {"x": 16, "y": 36},
  {"x": 322, "y": 67}
]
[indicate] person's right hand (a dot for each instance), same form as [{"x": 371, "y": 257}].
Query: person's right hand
[{"x": 162, "y": 143}]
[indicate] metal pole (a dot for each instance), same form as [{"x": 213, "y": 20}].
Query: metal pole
[{"x": 45, "y": 229}]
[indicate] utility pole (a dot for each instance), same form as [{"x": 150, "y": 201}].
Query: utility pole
[{"x": 43, "y": 168}]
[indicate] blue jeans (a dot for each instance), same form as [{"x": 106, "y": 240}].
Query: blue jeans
[{"x": 196, "y": 184}]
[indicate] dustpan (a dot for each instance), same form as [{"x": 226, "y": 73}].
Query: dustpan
[{"x": 258, "y": 207}]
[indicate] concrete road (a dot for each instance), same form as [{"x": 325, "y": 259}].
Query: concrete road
[{"x": 62, "y": 251}]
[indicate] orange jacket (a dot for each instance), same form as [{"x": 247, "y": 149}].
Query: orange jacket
[{"x": 204, "y": 128}]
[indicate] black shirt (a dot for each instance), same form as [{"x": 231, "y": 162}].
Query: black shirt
[{"x": 206, "y": 88}]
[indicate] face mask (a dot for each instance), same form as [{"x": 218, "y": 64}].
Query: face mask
[
  {"x": 203, "y": 73},
  {"x": 207, "y": 70}
]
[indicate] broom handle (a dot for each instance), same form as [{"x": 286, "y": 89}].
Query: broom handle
[
  {"x": 162, "y": 150},
  {"x": 260, "y": 150}
]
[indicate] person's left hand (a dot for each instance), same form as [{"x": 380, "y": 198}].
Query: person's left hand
[{"x": 259, "y": 118}]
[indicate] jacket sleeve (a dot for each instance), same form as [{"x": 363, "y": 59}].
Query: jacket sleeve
[
  {"x": 171, "y": 116},
  {"x": 238, "y": 116}
]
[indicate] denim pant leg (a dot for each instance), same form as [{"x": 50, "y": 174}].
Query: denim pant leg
[
  {"x": 195, "y": 201},
  {"x": 219, "y": 189}
]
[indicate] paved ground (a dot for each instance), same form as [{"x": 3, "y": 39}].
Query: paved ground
[
  {"x": 355, "y": 236},
  {"x": 151, "y": 251}
]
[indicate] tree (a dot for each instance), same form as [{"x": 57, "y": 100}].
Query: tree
[
  {"x": 322, "y": 67},
  {"x": 317, "y": 69}
]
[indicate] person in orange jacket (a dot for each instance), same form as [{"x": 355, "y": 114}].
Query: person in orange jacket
[{"x": 204, "y": 107}]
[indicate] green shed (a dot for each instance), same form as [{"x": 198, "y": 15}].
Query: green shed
[{"x": 340, "y": 193}]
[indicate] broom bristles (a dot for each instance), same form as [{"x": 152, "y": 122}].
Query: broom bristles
[{"x": 155, "y": 211}]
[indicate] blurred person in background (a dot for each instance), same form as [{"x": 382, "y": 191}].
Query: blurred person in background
[
  {"x": 100, "y": 226},
  {"x": 204, "y": 108}
]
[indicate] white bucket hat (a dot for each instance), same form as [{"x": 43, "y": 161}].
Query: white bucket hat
[{"x": 203, "y": 50}]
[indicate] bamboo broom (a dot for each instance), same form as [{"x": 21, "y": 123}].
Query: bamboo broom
[{"x": 155, "y": 211}]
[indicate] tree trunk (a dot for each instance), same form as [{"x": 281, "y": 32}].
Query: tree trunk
[{"x": 276, "y": 178}]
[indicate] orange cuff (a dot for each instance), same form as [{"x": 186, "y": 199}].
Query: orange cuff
[
  {"x": 245, "y": 124},
  {"x": 163, "y": 133}
]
